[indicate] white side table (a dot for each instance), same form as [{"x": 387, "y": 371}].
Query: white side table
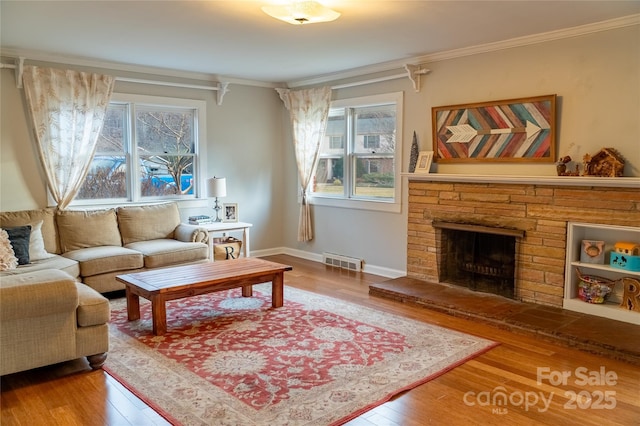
[{"x": 224, "y": 227}]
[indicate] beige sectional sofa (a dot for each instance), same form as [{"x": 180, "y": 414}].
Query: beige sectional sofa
[
  {"x": 48, "y": 317},
  {"x": 96, "y": 245},
  {"x": 51, "y": 309}
]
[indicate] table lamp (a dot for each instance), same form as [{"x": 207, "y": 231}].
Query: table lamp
[{"x": 217, "y": 187}]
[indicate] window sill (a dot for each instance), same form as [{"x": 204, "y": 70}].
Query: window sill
[
  {"x": 381, "y": 206},
  {"x": 182, "y": 204}
]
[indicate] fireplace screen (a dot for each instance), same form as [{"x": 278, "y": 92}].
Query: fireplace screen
[{"x": 479, "y": 261}]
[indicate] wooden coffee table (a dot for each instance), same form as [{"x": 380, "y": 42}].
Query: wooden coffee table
[{"x": 160, "y": 285}]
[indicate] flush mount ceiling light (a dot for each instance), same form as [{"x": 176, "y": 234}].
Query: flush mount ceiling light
[{"x": 302, "y": 12}]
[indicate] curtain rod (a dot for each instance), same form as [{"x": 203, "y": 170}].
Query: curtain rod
[
  {"x": 373, "y": 80},
  {"x": 18, "y": 66},
  {"x": 166, "y": 83},
  {"x": 412, "y": 71},
  {"x": 222, "y": 87}
]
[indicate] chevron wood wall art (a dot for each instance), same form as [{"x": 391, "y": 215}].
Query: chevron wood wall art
[{"x": 509, "y": 130}]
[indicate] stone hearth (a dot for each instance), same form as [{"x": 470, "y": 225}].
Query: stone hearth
[{"x": 603, "y": 336}]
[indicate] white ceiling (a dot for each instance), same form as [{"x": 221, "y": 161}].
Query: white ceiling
[{"x": 236, "y": 39}]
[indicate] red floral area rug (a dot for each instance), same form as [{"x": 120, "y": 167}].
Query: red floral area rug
[{"x": 229, "y": 360}]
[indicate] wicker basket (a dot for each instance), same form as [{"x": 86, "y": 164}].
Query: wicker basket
[{"x": 594, "y": 289}]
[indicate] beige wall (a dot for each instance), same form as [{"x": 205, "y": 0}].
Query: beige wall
[
  {"x": 596, "y": 78},
  {"x": 244, "y": 144},
  {"x": 21, "y": 178}
]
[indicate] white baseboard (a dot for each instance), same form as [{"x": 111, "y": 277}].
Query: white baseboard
[
  {"x": 383, "y": 271},
  {"x": 369, "y": 269}
]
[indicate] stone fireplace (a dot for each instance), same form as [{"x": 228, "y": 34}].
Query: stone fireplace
[
  {"x": 480, "y": 258},
  {"x": 537, "y": 210}
]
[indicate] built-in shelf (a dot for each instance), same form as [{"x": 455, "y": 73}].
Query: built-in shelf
[
  {"x": 613, "y": 182},
  {"x": 576, "y": 232},
  {"x": 604, "y": 268}
]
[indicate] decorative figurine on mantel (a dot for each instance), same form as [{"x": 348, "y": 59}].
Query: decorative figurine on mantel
[
  {"x": 606, "y": 163},
  {"x": 563, "y": 164},
  {"x": 413, "y": 159}
]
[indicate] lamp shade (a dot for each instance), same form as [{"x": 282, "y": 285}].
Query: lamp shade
[{"x": 217, "y": 187}]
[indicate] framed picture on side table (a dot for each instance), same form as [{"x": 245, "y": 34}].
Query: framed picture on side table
[{"x": 230, "y": 212}]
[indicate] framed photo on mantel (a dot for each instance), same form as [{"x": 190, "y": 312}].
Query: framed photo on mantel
[
  {"x": 514, "y": 130},
  {"x": 424, "y": 162}
]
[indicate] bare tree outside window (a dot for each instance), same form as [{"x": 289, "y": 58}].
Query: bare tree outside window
[
  {"x": 166, "y": 147},
  {"x": 163, "y": 140},
  {"x": 107, "y": 176}
]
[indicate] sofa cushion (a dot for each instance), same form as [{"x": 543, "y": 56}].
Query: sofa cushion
[
  {"x": 142, "y": 223},
  {"x": 19, "y": 237},
  {"x": 93, "y": 308},
  {"x": 58, "y": 262},
  {"x": 191, "y": 233},
  {"x": 27, "y": 217},
  {"x": 80, "y": 229},
  {"x": 37, "y": 294},
  {"x": 104, "y": 259},
  {"x": 8, "y": 259},
  {"x": 37, "y": 250},
  {"x": 166, "y": 252},
  {"x": 107, "y": 283}
]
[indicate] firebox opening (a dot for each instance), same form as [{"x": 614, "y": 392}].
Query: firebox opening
[{"x": 477, "y": 260}]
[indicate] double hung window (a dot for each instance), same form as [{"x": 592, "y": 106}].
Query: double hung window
[
  {"x": 149, "y": 148},
  {"x": 359, "y": 160}
]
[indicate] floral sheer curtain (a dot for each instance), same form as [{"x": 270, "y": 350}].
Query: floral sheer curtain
[
  {"x": 309, "y": 110},
  {"x": 68, "y": 109}
]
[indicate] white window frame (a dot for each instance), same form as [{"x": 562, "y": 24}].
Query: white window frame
[
  {"x": 366, "y": 141},
  {"x": 375, "y": 163},
  {"x": 338, "y": 138},
  {"x": 394, "y": 205},
  {"x": 200, "y": 196}
]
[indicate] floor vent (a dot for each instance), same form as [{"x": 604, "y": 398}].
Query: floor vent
[{"x": 350, "y": 263}]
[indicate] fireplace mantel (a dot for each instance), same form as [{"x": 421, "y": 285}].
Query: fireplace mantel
[{"x": 610, "y": 182}]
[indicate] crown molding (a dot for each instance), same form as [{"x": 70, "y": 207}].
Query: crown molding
[
  {"x": 565, "y": 33},
  {"x": 581, "y": 30},
  {"x": 115, "y": 67},
  {"x": 383, "y": 67}
]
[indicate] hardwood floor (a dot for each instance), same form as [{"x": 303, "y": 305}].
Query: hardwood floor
[{"x": 596, "y": 391}]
